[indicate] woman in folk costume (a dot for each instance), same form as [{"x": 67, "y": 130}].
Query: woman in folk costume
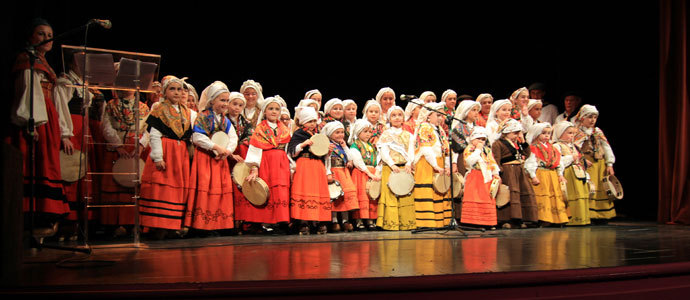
[
  {"x": 600, "y": 159},
  {"x": 386, "y": 99},
  {"x": 395, "y": 212},
  {"x": 210, "y": 200},
  {"x": 430, "y": 150},
  {"x": 50, "y": 202},
  {"x": 510, "y": 153},
  {"x": 428, "y": 97},
  {"x": 268, "y": 160},
  {"x": 165, "y": 180},
  {"x": 449, "y": 98},
  {"x": 485, "y": 100},
  {"x": 478, "y": 207},
  {"x": 498, "y": 116},
  {"x": 338, "y": 164},
  {"x": 366, "y": 160},
  {"x": 577, "y": 179},
  {"x": 253, "y": 94},
  {"x": 545, "y": 170},
  {"x": 411, "y": 114},
  {"x": 372, "y": 113},
  {"x": 310, "y": 199},
  {"x": 118, "y": 126}
]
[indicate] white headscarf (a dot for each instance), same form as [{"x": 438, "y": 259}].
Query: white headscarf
[
  {"x": 369, "y": 104},
  {"x": 285, "y": 111},
  {"x": 192, "y": 91},
  {"x": 535, "y": 131},
  {"x": 356, "y": 128},
  {"x": 481, "y": 132},
  {"x": 532, "y": 103},
  {"x": 512, "y": 125},
  {"x": 329, "y": 105},
  {"x": 424, "y": 112},
  {"x": 447, "y": 93},
  {"x": 280, "y": 100},
  {"x": 304, "y": 103},
  {"x": 257, "y": 87},
  {"x": 211, "y": 92},
  {"x": 237, "y": 95},
  {"x": 584, "y": 111},
  {"x": 559, "y": 129},
  {"x": 347, "y": 102},
  {"x": 463, "y": 109},
  {"x": 168, "y": 80},
  {"x": 494, "y": 108},
  {"x": 414, "y": 103},
  {"x": 390, "y": 110},
  {"x": 478, "y": 132},
  {"x": 426, "y": 94},
  {"x": 382, "y": 91},
  {"x": 265, "y": 104},
  {"x": 517, "y": 92},
  {"x": 306, "y": 114},
  {"x": 311, "y": 93},
  {"x": 331, "y": 127}
]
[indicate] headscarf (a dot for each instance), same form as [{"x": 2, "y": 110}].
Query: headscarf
[
  {"x": 192, "y": 91},
  {"x": 237, "y": 95},
  {"x": 424, "y": 112},
  {"x": 535, "y": 131},
  {"x": 517, "y": 92},
  {"x": 281, "y": 101},
  {"x": 414, "y": 103},
  {"x": 494, "y": 108},
  {"x": 482, "y": 96},
  {"x": 331, "y": 127},
  {"x": 357, "y": 128},
  {"x": 348, "y": 102},
  {"x": 306, "y": 114},
  {"x": 478, "y": 132},
  {"x": 302, "y": 104},
  {"x": 559, "y": 129},
  {"x": 329, "y": 105},
  {"x": 511, "y": 125},
  {"x": 369, "y": 104},
  {"x": 167, "y": 80},
  {"x": 257, "y": 87},
  {"x": 265, "y": 104},
  {"x": 211, "y": 92},
  {"x": 311, "y": 93},
  {"x": 463, "y": 109},
  {"x": 382, "y": 91},
  {"x": 426, "y": 94},
  {"x": 447, "y": 93},
  {"x": 532, "y": 103},
  {"x": 393, "y": 108},
  {"x": 585, "y": 111},
  {"x": 285, "y": 111}
]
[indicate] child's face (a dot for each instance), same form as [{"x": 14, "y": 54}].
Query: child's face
[
  {"x": 590, "y": 121},
  {"x": 220, "y": 104},
  {"x": 184, "y": 96},
  {"x": 397, "y": 117},
  {"x": 309, "y": 125},
  {"x": 522, "y": 98},
  {"x": 429, "y": 99},
  {"x": 351, "y": 111},
  {"x": 336, "y": 111},
  {"x": 486, "y": 105},
  {"x": 472, "y": 114},
  {"x": 535, "y": 112},
  {"x": 511, "y": 136},
  {"x": 365, "y": 134},
  {"x": 478, "y": 141},
  {"x": 285, "y": 118},
  {"x": 503, "y": 112},
  {"x": 272, "y": 112},
  {"x": 451, "y": 100},
  {"x": 338, "y": 135},
  {"x": 317, "y": 98},
  {"x": 373, "y": 114},
  {"x": 251, "y": 96},
  {"x": 173, "y": 92},
  {"x": 415, "y": 112},
  {"x": 568, "y": 135},
  {"x": 235, "y": 107},
  {"x": 545, "y": 135}
]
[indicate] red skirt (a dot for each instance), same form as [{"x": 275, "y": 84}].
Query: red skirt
[
  {"x": 368, "y": 208},
  {"x": 348, "y": 201},
  {"x": 164, "y": 193},
  {"x": 477, "y": 205},
  {"x": 310, "y": 198},
  {"x": 48, "y": 185},
  {"x": 210, "y": 202},
  {"x": 275, "y": 171},
  {"x": 237, "y": 195}
]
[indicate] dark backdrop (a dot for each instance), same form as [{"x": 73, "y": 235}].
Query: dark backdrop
[{"x": 608, "y": 52}]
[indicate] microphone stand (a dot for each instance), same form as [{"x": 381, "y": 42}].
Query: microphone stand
[
  {"x": 453, "y": 223},
  {"x": 30, "y": 50}
]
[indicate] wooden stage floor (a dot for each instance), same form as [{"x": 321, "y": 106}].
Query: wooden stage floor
[{"x": 249, "y": 259}]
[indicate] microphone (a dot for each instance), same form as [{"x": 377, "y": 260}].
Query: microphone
[
  {"x": 103, "y": 23},
  {"x": 404, "y": 97}
]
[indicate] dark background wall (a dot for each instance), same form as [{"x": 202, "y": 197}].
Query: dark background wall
[{"x": 608, "y": 52}]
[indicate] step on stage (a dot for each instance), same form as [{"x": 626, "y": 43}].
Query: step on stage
[{"x": 622, "y": 258}]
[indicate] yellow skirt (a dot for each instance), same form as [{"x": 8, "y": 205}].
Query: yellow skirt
[
  {"x": 550, "y": 202},
  {"x": 577, "y": 196},
  {"x": 432, "y": 209},
  {"x": 601, "y": 204},
  {"x": 394, "y": 213}
]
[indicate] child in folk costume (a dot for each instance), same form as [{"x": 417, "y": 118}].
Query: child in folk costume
[
  {"x": 600, "y": 159},
  {"x": 210, "y": 201},
  {"x": 498, "y": 116},
  {"x": 411, "y": 114},
  {"x": 317, "y": 97},
  {"x": 304, "y": 103},
  {"x": 510, "y": 153},
  {"x": 461, "y": 130},
  {"x": 546, "y": 173},
  {"x": 372, "y": 113},
  {"x": 253, "y": 94},
  {"x": 286, "y": 119},
  {"x": 337, "y": 169},
  {"x": 165, "y": 180},
  {"x": 365, "y": 159},
  {"x": 243, "y": 129},
  {"x": 118, "y": 126},
  {"x": 577, "y": 179},
  {"x": 310, "y": 199},
  {"x": 268, "y": 161},
  {"x": 350, "y": 114},
  {"x": 478, "y": 207},
  {"x": 430, "y": 150},
  {"x": 334, "y": 110},
  {"x": 386, "y": 99},
  {"x": 395, "y": 212}
]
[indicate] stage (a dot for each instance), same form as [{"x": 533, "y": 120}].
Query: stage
[{"x": 637, "y": 259}]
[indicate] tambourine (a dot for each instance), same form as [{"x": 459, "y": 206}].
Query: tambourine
[
  {"x": 401, "y": 184},
  {"x": 373, "y": 189},
  {"x": 256, "y": 191},
  {"x": 335, "y": 190},
  {"x": 441, "y": 183},
  {"x": 613, "y": 187},
  {"x": 239, "y": 172},
  {"x": 72, "y": 167},
  {"x": 320, "y": 145},
  {"x": 458, "y": 185},
  {"x": 221, "y": 139},
  {"x": 500, "y": 192},
  {"x": 123, "y": 166}
]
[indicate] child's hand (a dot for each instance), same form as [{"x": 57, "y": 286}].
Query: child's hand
[
  {"x": 160, "y": 165},
  {"x": 395, "y": 169},
  {"x": 535, "y": 181},
  {"x": 330, "y": 179},
  {"x": 562, "y": 179},
  {"x": 307, "y": 143},
  {"x": 609, "y": 170}
]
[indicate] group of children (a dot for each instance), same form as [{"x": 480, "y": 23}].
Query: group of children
[{"x": 554, "y": 172}]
